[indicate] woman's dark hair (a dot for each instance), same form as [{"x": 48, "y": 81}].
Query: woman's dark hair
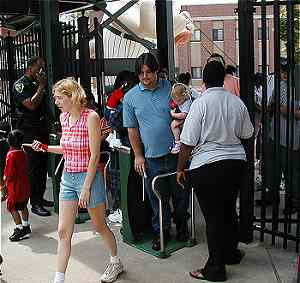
[
  {"x": 147, "y": 59},
  {"x": 213, "y": 74},
  {"x": 231, "y": 70},
  {"x": 124, "y": 77},
  {"x": 15, "y": 138},
  {"x": 184, "y": 78}
]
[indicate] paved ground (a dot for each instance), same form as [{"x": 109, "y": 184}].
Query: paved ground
[{"x": 33, "y": 260}]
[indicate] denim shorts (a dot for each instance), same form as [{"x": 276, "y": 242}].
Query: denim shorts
[{"x": 71, "y": 185}]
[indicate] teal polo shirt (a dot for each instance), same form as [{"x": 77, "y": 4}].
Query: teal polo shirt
[{"x": 149, "y": 111}]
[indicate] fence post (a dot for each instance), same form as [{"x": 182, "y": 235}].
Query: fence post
[
  {"x": 11, "y": 74},
  {"x": 50, "y": 45},
  {"x": 165, "y": 36},
  {"x": 99, "y": 67},
  {"x": 245, "y": 12},
  {"x": 84, "y": 54}
]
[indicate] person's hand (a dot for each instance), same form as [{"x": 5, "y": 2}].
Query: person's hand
[
  {"x": 41, "y": 78},
  {"x": 84, "y": 198},
  {"x": 181, "y": 178},
  {"x": 139, "y": 165},
  {"x": 38, "y": 146}
]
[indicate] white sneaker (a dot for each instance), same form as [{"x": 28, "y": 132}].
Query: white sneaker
[
  {"x": 176, "y": 148},
  {"x": 116, "y": 217},
  {"x": 112, "y": 272}
]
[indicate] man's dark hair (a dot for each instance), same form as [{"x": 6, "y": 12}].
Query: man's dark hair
[
  {"x": 147, "y": 59},
  {"x": 15, "y": 138},
  {"x": 213, "y": 74},
  {"x": 216, "y": 55},
  {"x": 4, "y": 129},
  {"x": 184, "y": 78},
  {"x": 258, "y": 79},
  {"x": 32, "y": 61},
  {"x": 284, "y": 64}
]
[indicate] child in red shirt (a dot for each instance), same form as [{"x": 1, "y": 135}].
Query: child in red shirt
[
  {"x": 17, "y": 182},
  {"x": 115, "y": 98}
]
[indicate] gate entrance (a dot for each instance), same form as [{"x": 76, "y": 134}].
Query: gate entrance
[{"x": 270, "y": 88}]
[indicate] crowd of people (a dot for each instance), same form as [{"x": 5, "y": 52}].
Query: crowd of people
[{"x": 170, "y": 127}]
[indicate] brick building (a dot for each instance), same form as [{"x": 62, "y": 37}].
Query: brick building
[{"x": 216, "y": 31}]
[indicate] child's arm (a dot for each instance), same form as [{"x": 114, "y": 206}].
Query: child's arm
[
  {"x": 55, "y": 149},
  {"x": 179, "y": 116}
]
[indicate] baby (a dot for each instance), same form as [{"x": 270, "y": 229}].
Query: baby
[{"x": 181, "y": 95}]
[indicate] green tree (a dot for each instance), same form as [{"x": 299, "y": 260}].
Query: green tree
[{"x": 284, "y": 31}]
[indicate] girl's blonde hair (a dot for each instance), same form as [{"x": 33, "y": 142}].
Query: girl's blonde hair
[
  {"x": 180, "y": 90},
  {"x": 71, "y": 88}
]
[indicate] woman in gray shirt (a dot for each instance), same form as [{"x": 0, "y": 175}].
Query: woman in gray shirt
[{"x": 211, "y": 136}]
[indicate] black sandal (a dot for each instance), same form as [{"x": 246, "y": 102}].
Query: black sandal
[{"x": 200, "y": 275}]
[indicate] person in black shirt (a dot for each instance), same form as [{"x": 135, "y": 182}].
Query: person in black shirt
[{"x": 28, "y": 93}]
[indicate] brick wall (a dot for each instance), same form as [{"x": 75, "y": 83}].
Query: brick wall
[{"x": 205, "y": 15}]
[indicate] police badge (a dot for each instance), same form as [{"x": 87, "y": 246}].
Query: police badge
[{"x": 19, "y": 87}]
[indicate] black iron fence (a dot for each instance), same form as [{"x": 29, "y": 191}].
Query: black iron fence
[
  {"x": 275, "y": 109},
  {"x": 14, "y": 55}
]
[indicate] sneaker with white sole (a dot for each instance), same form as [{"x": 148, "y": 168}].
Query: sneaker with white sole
[
  {"x": 116, "y": 217},
  {"x": 20, "y": 234},
  {"x": 112, "y": 271},
  {"x": 26, "y": 231}
]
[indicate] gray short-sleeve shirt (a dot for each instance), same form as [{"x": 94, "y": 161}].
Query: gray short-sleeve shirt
[{"x": 215, "y": 125}]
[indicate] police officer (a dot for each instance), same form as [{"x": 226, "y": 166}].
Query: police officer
[{"x": 28, "y": 93}]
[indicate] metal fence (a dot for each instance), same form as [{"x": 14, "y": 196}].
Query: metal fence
[
  {"x": 14, "y": 55},
  {"x": 275, "y": 108}
]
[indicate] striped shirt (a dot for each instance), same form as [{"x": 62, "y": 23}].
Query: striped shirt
[{"x": 75, "y": 142}]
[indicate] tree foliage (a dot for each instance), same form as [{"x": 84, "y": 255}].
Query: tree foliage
[{"x": 284, "y": 31}]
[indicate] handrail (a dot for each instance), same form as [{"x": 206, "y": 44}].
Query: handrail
[
  {"x": 162, "y": 245},
  {"x": 105, "y": 173}
]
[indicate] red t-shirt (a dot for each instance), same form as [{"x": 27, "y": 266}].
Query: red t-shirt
[
  {"x": 115, "y": 98},
  {"x": 16, "y": 175}
]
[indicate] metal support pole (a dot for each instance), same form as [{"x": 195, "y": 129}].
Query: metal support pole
[
  {"x": 50, "y": 45},
  {"x": 84, "y": 54},
  {"x": 11, "y": 76},
  {"x": 165, "y": 36},
  {"x": 99, "y": 52},
  {"x": 246, "y": 44}
]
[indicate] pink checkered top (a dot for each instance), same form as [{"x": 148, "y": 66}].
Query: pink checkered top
[{"x": 75, "y": 142}]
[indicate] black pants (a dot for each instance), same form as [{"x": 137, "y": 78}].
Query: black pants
[
  {"x": 37, "y": 165},
  {"x": 216, "y": 186}
]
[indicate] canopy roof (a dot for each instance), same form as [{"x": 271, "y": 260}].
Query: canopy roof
[{"x": 16, "y": 14}]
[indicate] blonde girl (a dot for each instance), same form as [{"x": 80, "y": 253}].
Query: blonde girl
[
  {"x": 82, "y": 183},
  {"x": 181, "y": 95}
]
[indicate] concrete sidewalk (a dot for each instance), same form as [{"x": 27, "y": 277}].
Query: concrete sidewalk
[{"x": 33, "y": 260}]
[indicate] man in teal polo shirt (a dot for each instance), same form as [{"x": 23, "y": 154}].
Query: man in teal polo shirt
[{"x": 147, "y": 116}]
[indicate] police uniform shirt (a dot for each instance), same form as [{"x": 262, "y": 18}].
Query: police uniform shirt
[{"x": 25, "y": 88}]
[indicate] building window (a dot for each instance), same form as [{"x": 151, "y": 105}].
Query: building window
[
  {"x": 196, "y": 36},
  {"x": 259, "y": 33},
  {"x": 260, "y": 69},
  {"x": 218, "y": 34},
  {"x": 197, "y": 72}
]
